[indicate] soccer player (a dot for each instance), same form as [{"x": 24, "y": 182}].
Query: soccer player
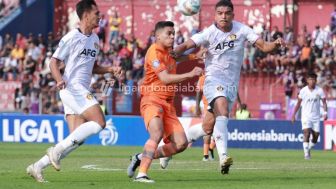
[
  {"x": 157, "y": 102},
  {"x": 309, "y": 97},
  {"x": 225, "y": 43},
  {"x": 78, "y": 51}
]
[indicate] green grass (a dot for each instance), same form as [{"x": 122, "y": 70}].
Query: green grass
[{"x": 252, "y": 169}]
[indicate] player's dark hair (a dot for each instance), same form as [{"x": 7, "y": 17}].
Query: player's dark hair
[
  {"x": 224, "y": 3},
  {"x": 162, "y": 24},
  {"x": 312, "y": 75},
  {"x": 83, "y": 6}
]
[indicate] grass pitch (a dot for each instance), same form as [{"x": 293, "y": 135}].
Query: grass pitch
[{"x": 105, "y": 167}]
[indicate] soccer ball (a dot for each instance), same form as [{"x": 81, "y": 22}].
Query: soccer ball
[{"x": 189, "y": 7}]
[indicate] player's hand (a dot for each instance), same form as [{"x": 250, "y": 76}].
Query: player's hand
[
  {"x": 173, "y": 54},
  {"x": 325, "y": 117},
  {"x": 200, "y": 55},
  {"x": 197, "y": 71},
  {"x": 116, "y": 71},
  {"x": 293, "y": 119},
  {"x": 60, "y": 85}
]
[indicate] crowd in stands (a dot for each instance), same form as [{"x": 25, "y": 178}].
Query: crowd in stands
[{"x": 26, "y": 59}]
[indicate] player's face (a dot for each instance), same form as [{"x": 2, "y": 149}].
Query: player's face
[
  {"x": 93, "y": 17},
  {"x": 166, "y": 36},
  {"x": 311, "y": 82},
  {"x": 224, "y": 16}
]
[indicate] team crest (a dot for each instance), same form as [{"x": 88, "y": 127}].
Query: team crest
[
  {"x": 96, "y": 45},
  {"x": 219, "y": 88},
  {"x": 233, "y": 37},
  {"x": 89, "y": 96},
  {"x": 156, "y": 63}
]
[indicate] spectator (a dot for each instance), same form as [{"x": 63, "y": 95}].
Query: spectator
[
  {"x": 318, "y": 39},
  {"x": 114, "y": 22},
  {"x": 266, "y": 34},
  {"x": 102, "y": 29},
  {"x": 276, "y": 33},
  {"x": 242, "y": 113},
  {"x": 289, "y": 36},
  {"x": 333, "y": 22}
]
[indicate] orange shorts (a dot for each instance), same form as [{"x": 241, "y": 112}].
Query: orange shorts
[{"x": 152, "y": 106}]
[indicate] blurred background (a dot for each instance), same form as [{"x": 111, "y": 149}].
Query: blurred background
[{"x": 30, "y": 31}]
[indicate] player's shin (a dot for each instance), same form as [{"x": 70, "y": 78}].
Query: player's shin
[
  {"x": 147, "y": 157},
  {"x": 220, "y": 135}
]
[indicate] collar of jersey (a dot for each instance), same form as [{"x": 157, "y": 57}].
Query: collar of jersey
[
  {"x": 78, "y": 29},
  {"x": 160, "y": 48}
]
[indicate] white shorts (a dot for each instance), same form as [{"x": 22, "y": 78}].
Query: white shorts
[
  {"x": 76, "y": 103},
  {"x": 214, "y": 89},
  {"x": 309, "y": 124}
]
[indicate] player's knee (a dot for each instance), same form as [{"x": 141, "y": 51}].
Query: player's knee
[
  {"x": 180, "y": 147},
  {"x": 102, "y": 123}
]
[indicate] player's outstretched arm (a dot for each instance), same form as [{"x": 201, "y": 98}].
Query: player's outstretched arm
[
  {"x": 103, "y": 70},
  {"x": 297, "y": 106},
  {"x": 168, "y": 78},
  {"x": 180, "y": 49},
  {"x": 199, "y": 56},
  {"x": 56, "y": 73},
  {"x": 267, "y": 47}
]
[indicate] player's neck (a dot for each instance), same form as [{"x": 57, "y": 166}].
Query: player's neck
[
  {"x": 311, "y": 87},
  {"x": 162, "y": 46},
  {"x": 225, "y": 28},
  {"x": 84, "y": 29}
]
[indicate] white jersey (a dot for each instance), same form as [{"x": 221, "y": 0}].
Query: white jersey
[
  {"x": 311, "y": 103},
  {"x": 79, "y": 53},
  {"x": 225, "y": 51}
]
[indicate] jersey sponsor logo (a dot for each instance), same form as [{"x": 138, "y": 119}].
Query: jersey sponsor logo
[
  {"x": 219, "y": 88},
  {"x": 88, "y": 52},
  {"x": 233, "y": 37},
  {"x": 96, "y": 45},
  {"x": 230, "y": 44},
  {"x": 156, "y": 63},
  {"x": 224, "y": 44},
  {"x": 89, "y": 96}
]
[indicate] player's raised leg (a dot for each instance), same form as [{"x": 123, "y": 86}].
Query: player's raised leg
[
  {"x": 95, "y": 123},
  {"x": 220, "y": 134},
  {"x": 35, "y": 170}
]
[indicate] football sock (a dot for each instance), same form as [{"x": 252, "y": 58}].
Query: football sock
[
  {"x": 78, "y": 135},
  {"x": 311, "y": 145},
  {"x": 305, "y": 147},
  {"x": 147, "y": 156},
  {"x": 195, "y": 132},
  {"x": 220, "y": 134}
]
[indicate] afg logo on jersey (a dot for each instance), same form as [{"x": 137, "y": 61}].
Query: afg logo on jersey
[
  {"x": 230, "y": 44},
  {"x": 109, "y": 135},
  {"x": 89, "y": 52}
]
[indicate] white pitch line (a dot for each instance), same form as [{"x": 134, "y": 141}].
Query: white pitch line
[{"x": 95, "y": 167}]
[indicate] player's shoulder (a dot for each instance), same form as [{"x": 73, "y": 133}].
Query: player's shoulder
[
  {"x": 95, "y": 36},
  {"x": 67, "y": 38},
  {"x": 304, "y": 89},
  {"x": 240, "y": 26}
]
